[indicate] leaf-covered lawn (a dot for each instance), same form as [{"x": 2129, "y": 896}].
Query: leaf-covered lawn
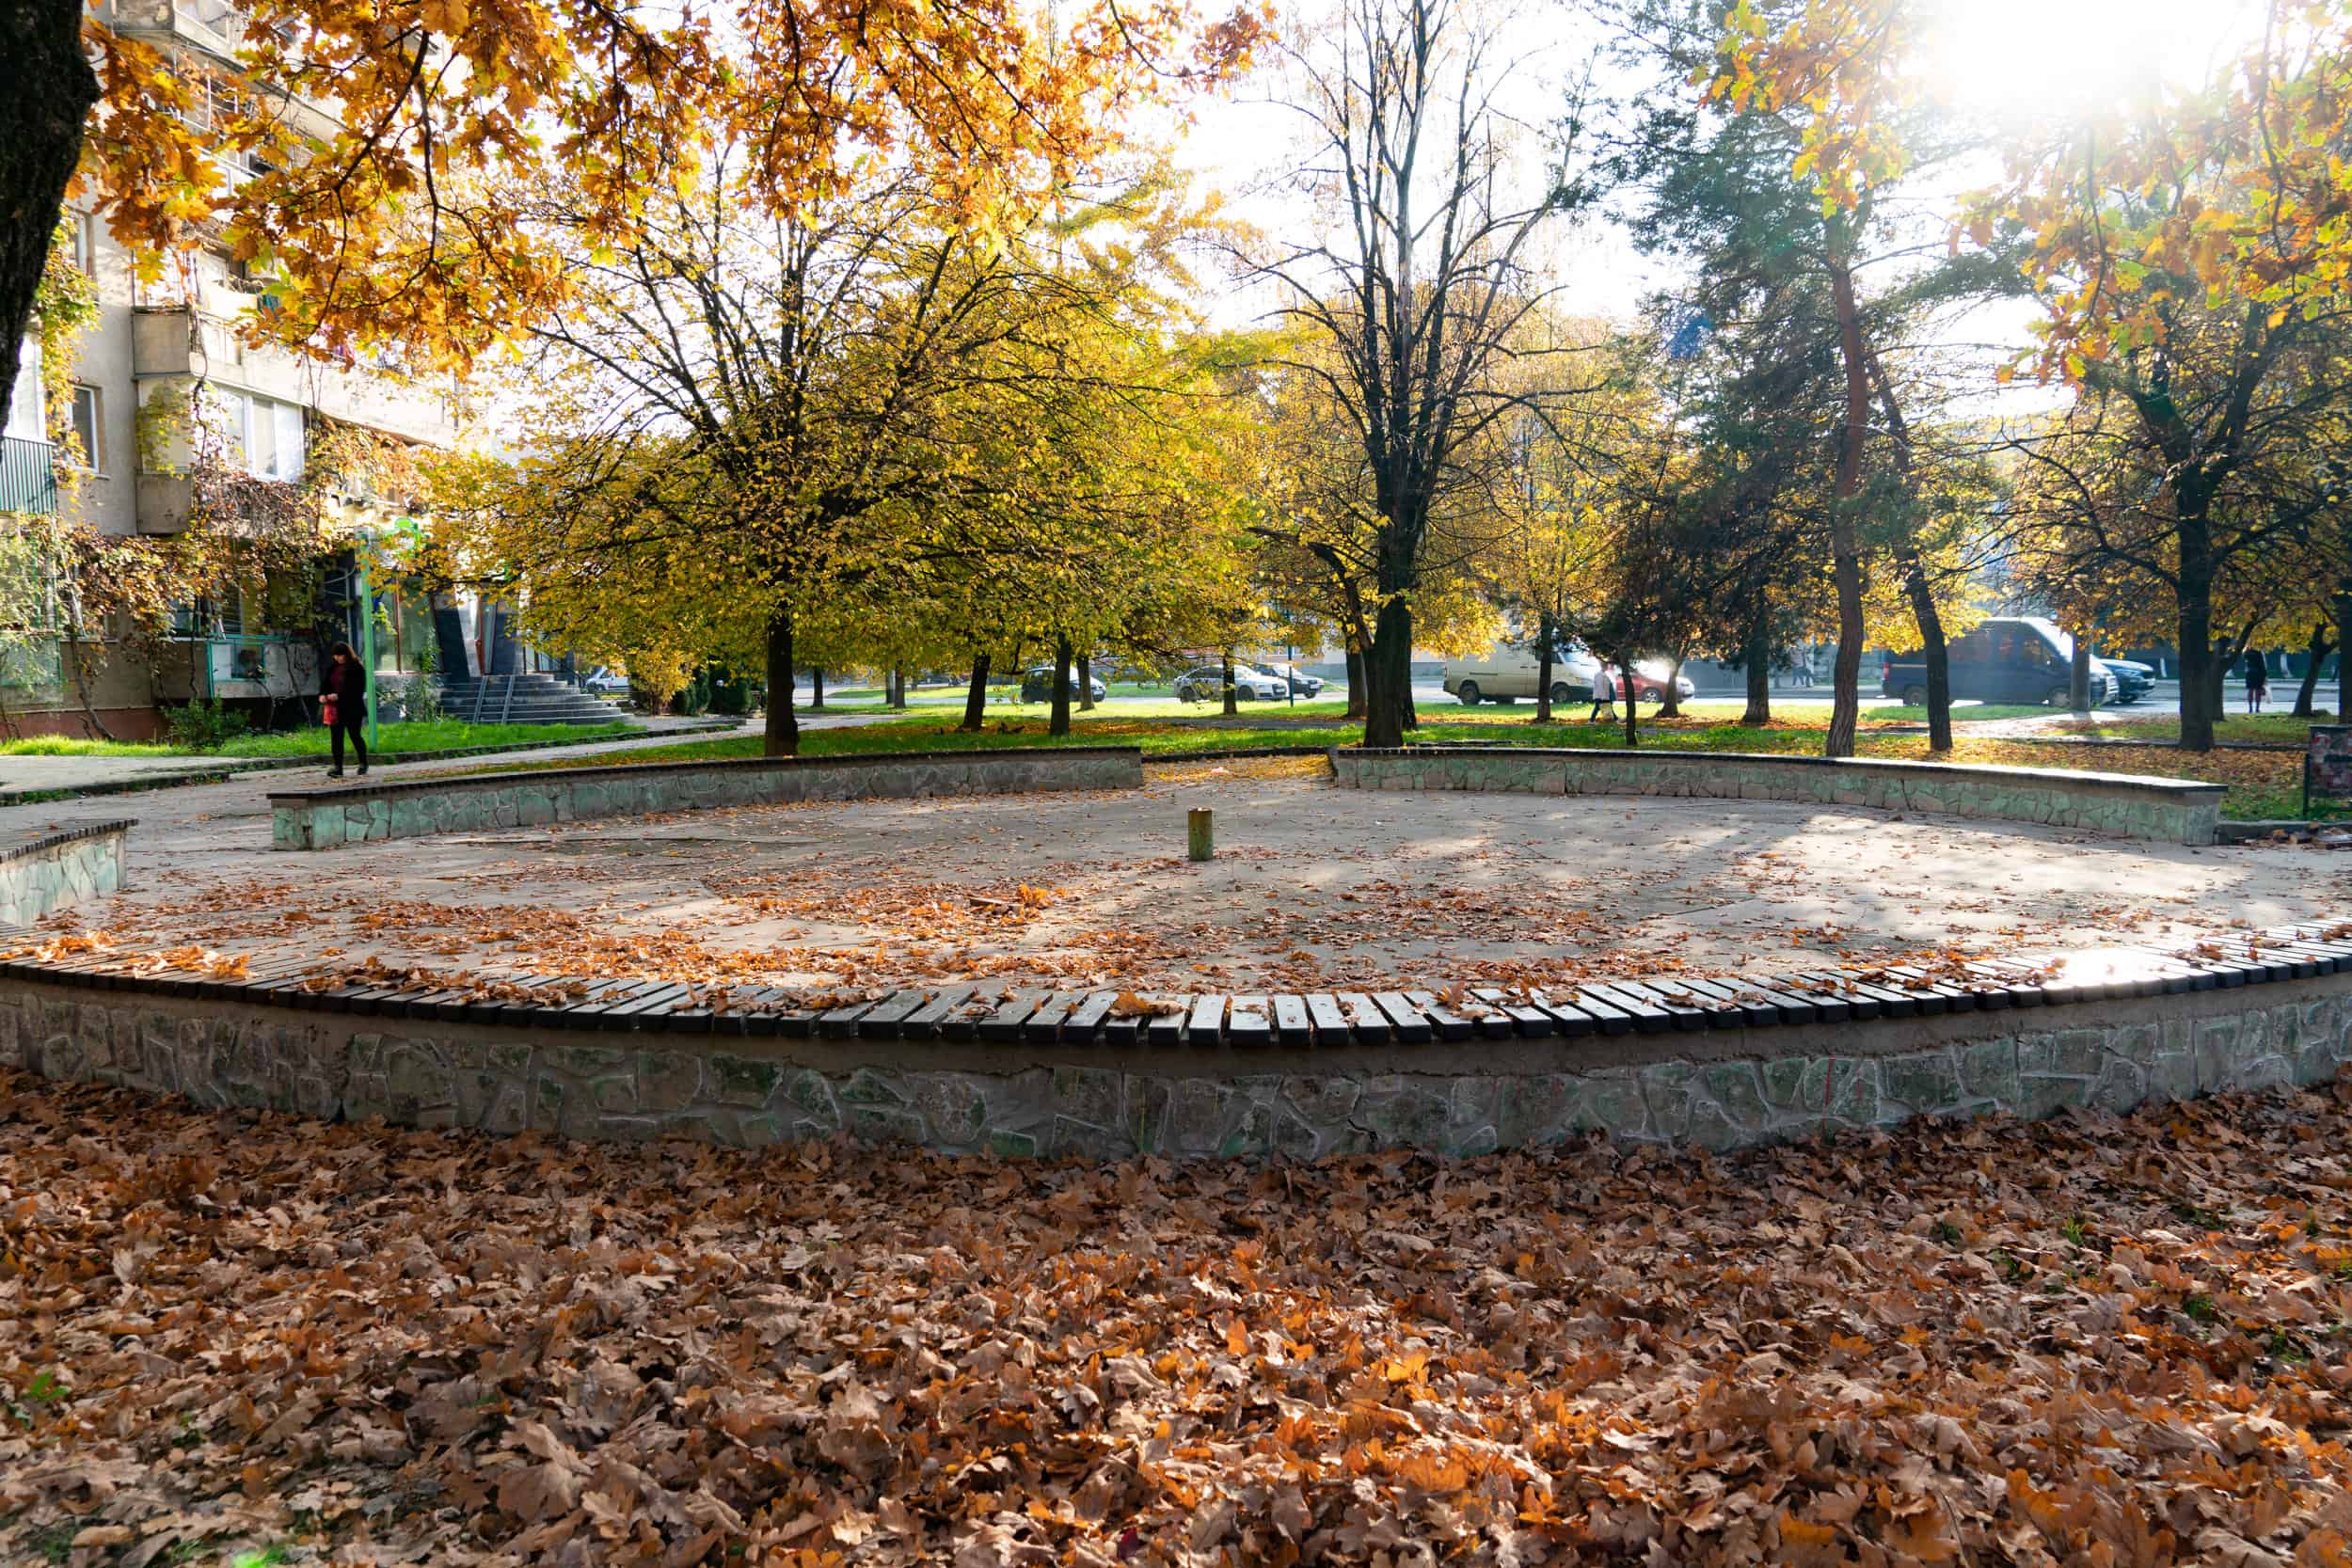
[
  {"x": 435, "y": 735},
  {"x": 2268, "y": 728},
  {"x": 2093, "y": 1343}
]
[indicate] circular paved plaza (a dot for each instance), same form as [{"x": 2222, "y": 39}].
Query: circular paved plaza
[{"x": 1314, "y": 888}]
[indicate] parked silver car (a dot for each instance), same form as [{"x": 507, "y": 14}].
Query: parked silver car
[{"x": 1206, "y": 684}]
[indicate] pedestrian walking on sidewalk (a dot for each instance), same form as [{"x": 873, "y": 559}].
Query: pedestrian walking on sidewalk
[
  {"x": 343, "y": 706},
  {"x": 2257, "y": 681}
]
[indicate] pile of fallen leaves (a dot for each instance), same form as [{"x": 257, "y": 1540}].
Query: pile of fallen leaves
[{"x": 2093, "y": 1343}]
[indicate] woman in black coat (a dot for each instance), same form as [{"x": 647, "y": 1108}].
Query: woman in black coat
[{"x": 343, "y": 705}]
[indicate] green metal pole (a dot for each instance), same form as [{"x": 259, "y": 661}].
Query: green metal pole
[{"x": 367, "y": 639}]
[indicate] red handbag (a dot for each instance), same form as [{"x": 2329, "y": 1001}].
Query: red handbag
[{"x": 326, "y": 710}]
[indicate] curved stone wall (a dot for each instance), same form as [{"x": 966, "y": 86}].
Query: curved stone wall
[
  {"x": 43, "y": 872},
  {"x": 631, "y": 1060},
  {"x": 2116, "y": 805},
  {"x": 352, "y": 813}
]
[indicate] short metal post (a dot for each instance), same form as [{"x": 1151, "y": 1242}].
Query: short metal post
[{"x": 1200, "y": 833}]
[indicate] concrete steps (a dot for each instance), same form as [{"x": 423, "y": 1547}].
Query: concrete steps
[{"x": 533, "y": 699}]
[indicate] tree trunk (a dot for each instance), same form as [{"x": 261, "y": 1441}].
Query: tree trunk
[
  {"x": 2078, "y": 676},
  {"x": 1388, "y": 675},
  {"x": 899, "y": 689},
  {"x": 815, "y": 688},
  {"x": 1758, "y": 657},
  {"x": 2195, "y": 642},
  {"x": 1543, "y": 670},
  {"x": 1355, "y": 682},
  {"x": 72, "y": 649},
  {"x": 782, "y": 737},
  {"x": 1632, "y": 695},
  {"x": 1230, "y": 709},
  {"x": 2317, "y": 651},
  {"x": 975, "y": 699},
  {"x": 1086, "y": 683},
  {"x": 1845, "y": 547},
  {"x": 50, "y": 90},
  {"x": 1059, "y": 723},
  {"x": 1921, "y": 593},
  {"x": 1672, "y": 707}
]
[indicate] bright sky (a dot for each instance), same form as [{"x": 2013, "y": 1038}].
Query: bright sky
[{"x": 2013, "y": 61}]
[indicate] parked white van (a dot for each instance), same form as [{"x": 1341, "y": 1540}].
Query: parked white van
[{"x": 1509, "y": 672}]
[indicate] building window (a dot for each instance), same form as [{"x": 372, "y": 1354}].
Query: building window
[
  {"x": 261, "y": 434},
  {"x": 90, "y": 428},
  {"x": 85, "y": 243}
]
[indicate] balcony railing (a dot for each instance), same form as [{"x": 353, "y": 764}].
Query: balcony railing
[{"x": 28, "y": 482}]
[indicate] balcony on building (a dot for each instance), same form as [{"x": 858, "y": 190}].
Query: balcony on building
[
  {"x": 28, "y": 473},
  {"x": 28, "y": 478},
  {"x": 176, "y": 347}
]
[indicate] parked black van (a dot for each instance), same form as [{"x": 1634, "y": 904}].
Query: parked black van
[{"x": 2013, "y": 659}]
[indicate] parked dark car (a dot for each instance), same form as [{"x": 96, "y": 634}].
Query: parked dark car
[
  {"x": 1037, "y": 685},
  {"x": 2013, "y": 660},
  {"x": 2130, "y": 679}
]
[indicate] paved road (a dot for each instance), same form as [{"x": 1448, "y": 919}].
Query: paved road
[{"x": 2163, "y": 699}]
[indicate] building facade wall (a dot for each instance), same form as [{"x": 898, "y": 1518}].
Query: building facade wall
[{"x": 154, "y": 342}]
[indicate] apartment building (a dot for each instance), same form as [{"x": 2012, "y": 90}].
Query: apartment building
[{"x": 172, "y": 346}]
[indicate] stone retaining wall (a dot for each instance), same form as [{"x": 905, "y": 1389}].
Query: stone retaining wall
[
  {"x": 1720, "y": 1089},
  {"x": 325, "y": 818},
  {"x": 2114, "y": 805},
  {"x": 46, "y": 872}
]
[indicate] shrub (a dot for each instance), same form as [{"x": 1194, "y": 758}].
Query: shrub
[
  {"x": 203, "y": 726},
  {"x": 414, "y": 698}
]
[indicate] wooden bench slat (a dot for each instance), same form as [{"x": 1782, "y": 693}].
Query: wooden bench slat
[
  {"x": 1410, "y": 1025},
  {"x": 1750, "y": 1007},
  {"x": 1248, "y": 1026},
  {"x": 1328, "y": 1018},
  {"x": 1003, "y": 1024},
  {"x": 1451, "y": 1026},
  {"x": 926, "y": 1020},
  {"x": 1043, "y": 1026},
  {"x": 1569, "y": 1019},
  {"x": 1680, "y": 1013},
  {"x": 647, "y": 1010},
  {"x": 1084, "y": 1022},
  {"x": 1291, "y": 1023},
  {"x": 1606, "y": 1015},
  {"x": 1859, "y": 1004},
  {"x": 1366, "y": 1024},
  {"x": 1828, "y": 1003},
  {"x": 1723, "y": 1009},
  {"x": 1647, "y": 1016},
  {"x": 1171, "y": 1023},
  {"x": 1525, "y": 1018},
  {"x": 883, "y": 1021},
  {"x": 1207, "y": 1024}
]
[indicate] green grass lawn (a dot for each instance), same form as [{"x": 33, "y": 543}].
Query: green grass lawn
[
  {"x": 435, "y": 735},
  {"x": 77, "y": 746},
  {"x": 438, "y": 734}
]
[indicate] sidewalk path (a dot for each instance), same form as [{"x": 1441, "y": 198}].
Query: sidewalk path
[
  {"x": 249, "y": 787},
  {"x": 32, "y": 773}
]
